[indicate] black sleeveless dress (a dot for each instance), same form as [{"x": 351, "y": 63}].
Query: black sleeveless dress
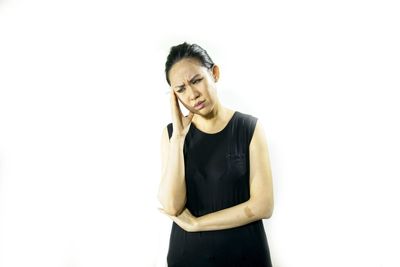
[{"x": 217, "y": 177}]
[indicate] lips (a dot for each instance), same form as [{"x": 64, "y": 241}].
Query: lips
[{"x": 199, "y": 103}]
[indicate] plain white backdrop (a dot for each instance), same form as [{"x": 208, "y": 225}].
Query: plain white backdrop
[{"x": 83, "y": 101}]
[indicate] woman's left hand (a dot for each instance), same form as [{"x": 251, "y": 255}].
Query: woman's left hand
[{"x": 185, "y": 220}]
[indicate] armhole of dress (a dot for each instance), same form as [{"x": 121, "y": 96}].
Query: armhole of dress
[
  {"x": 252, "y": 126},
  {"x": 169, "y": 127}
]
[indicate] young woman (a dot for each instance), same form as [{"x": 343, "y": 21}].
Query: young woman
[{"x": 216, "y": 182}]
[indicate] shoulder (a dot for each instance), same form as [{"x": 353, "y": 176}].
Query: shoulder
[
  {"x": 257, "y": 135},
  {"x": 247, "y": 120},
  {"x": 246, "y": 117},
  {"x": 247, "y": 123}
]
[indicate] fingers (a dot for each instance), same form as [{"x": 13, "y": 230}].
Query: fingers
[
  {"x": 190, "y": 116},
  {"x": 173, "y": 100},
  {"x": 173, "y": 106},
  {"x": 176, "y": 111}
]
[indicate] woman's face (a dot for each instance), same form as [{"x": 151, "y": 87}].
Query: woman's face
[{"x": 193, "y": 83}]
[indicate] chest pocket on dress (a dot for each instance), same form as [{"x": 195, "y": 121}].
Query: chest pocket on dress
[{"x": 236, "y": 164}]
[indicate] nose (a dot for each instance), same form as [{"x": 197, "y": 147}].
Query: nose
[{"x": 194, "y": 94}]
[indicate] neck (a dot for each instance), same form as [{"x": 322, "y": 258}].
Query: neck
[{"x": 218, "y": 115}]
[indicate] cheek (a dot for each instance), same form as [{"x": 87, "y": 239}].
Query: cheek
[
  {"x": 209, "y": 94},
  {"x": 208, "y": 90}
]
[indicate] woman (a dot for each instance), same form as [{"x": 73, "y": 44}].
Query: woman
[{"x": 216, "y": 182}]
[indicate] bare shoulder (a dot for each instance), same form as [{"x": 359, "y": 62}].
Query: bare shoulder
[{"x": 258, "y": 140}]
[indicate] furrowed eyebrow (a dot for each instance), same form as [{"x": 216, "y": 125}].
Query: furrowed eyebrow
[{"x": 191, "y": 80}]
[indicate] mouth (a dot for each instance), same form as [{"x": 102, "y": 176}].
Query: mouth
[{"x": 199, "y": 104}]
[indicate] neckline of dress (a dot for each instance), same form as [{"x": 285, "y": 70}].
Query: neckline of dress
[{"x": 226, "y": 126}]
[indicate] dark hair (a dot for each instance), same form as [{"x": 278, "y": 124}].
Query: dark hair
[{"x": 186, "y": 50}]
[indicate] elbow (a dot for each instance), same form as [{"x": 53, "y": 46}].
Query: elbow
[
  {"x": 266, "y": 210},
  {"x": 171, "y": 212},
  {"x": 169, "y": 206},
  {"x": 268, "y": 213}
]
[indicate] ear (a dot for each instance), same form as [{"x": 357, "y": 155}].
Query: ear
[{"x": 215, "y": 72}]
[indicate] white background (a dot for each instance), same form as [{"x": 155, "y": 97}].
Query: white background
[{"x": 83, "y": 101}]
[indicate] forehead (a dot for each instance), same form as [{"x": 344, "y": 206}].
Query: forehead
[{"x": 185, "y": 69}]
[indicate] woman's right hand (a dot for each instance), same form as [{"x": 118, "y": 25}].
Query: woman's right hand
[{"x": 180, "y": 122}]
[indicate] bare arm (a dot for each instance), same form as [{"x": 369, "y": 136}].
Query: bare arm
[
  {"x": 235, "y": 216},
  {"x": 172, "y": 188},
  {"x": 261, "y": 202}
]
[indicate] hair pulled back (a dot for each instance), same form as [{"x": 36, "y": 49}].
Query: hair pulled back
[{"x": 186, "y": 50}]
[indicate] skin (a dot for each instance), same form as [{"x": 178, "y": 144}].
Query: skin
[
  {"x": 211, "y": 119},
  {"x": 190, "y": 83},
  {"x": 214, "y": 116}
]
